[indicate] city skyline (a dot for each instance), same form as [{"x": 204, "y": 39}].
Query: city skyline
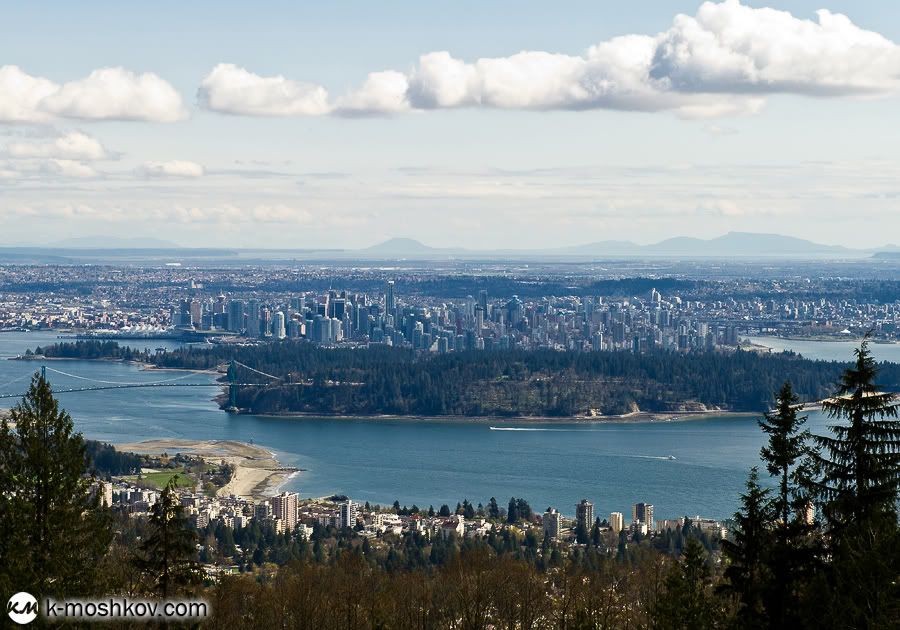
[{"x": 343, "y": 127}]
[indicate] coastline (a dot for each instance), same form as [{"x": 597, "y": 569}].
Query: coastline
[
  {"x": 257, "y": 475},
  {"x": 629, "y": 418}
]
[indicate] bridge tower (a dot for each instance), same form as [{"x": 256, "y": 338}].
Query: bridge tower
[{"x": 232, "y": 386}]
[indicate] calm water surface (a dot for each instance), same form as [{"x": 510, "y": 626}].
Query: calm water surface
[
  {"x": 829, "y": 350},
  {"x": 428, "y": 462}
]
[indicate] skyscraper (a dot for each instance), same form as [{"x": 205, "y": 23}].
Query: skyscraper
[
  {"x": 284, "y": 506},
  {"x": 616, "y": 522},
  {"x": 236, "y": 316},
  {"x": 642, "y": 513},
  {"x": 389, "y": 305},
  {"x": 278, "y": 328},
  {"x": 552, "y": 521},
  {"x": 253, "y": 318},
  {"x": 348, "y": 514},
  {"x": 584, "y": 514}
]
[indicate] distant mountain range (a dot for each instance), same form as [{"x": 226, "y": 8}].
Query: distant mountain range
[
  {"x": 740, "y": 244},
  {"x": 731, "y": 245}
]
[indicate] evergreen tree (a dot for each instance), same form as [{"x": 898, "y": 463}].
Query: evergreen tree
[
  {"x": 53, "y": 533},
  {"x": 168, "y": 552},
  {"x": 792, "y": 556},
  {"x": 687, "y": 601},
  {"x": 582, "y": 536},
  {"x": 861, "y": 465},
  {"x": 787, "y": 444},
  {"x": 512, "y": 512},
  {"x": 747, "y": 575},
  {"x": 859, "y": 483},
  {"x": 493, "y": 509},
  {"x": 596, "y": 535}
]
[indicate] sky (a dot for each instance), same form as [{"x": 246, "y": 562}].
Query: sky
[{"x": 472, "y": 124}]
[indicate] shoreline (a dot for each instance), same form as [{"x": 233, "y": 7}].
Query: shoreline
[
  {"x": 629, "y": 418},
  {"x": 258, "y": 473}
]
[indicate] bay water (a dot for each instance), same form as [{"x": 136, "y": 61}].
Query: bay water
[{"x": 695, "y": 467}]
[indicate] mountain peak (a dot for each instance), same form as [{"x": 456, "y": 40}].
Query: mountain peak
[{"x": 399, "y": 245}]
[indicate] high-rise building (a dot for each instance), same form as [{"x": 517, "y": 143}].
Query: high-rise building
[
  {"x": 278, "y": 327},
  {"x": 284, "y": 507},
  {"x": 552, "y": 521},
  {"x": 253, "y": 318},
  {"x": 349, "y": 511},
  {"x": 616, "y": 522},
  {"x": 389, "y": 304},
  {"x": 584, "y": 515},
  {"x": 236, "y": 316},
  {"x": 642, "y": 513}
]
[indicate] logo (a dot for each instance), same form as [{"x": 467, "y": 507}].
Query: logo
[{"x": 22, "y": 608}]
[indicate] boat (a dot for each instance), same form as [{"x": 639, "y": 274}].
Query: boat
[{"x": 671, "y": 458}]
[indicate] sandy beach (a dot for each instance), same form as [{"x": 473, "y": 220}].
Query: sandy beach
[{"x": 257, "y": 473}]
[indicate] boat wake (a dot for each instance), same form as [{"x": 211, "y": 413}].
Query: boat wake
[
  {"x": 658, "y": 457},
  {"x": 539, "y": 429}
]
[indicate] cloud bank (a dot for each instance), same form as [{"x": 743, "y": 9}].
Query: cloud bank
[
  {"x": 724, "y": 60},
  {"x": 105, "y": 94},
  {"x": 73, "y": 145},
  {"x": 173, "y": 168}
]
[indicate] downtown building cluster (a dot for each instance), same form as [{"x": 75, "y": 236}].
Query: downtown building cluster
[{"x": 580, "y": 324}]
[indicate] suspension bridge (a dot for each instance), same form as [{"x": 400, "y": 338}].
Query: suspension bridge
[{"x": 233, "y": 382}]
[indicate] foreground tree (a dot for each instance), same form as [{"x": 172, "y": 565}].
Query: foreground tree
[
  {"x": 168, "y": 554},
  {"x": 858, "y": 487},
  {"x": 792, "y": 556},
  {"x": 53, "y": 532},
  {"x": 688, "y": 600},
  {"x": 747, "y": 574}
]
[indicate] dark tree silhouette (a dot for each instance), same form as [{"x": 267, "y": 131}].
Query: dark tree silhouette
[
  {"x": 168, "y": 554},
  {"x": 53, "y": 533}
]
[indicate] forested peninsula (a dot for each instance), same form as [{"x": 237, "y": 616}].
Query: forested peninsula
[{"x": 380, "y": 380}]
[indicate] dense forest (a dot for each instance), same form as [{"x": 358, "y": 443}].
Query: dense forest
[
  {"x": 541, "y": 383},
  {"x": 87, "y": 349},
  {"x": 104, "y": 460}
]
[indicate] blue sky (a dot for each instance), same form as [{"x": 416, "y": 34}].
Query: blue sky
[{"x": 725, "y": 131}]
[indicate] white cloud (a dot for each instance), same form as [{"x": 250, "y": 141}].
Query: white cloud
[
  {"x": 68, "y": 168},
  {"x": 105, "y": 94},
  {"x": 73, "y": 145},
  {"x": 172, "y": 168},
  {"x": 729, "y": 47},
  {"x": 722, "y": 61},
  {"x": 233, "y": 90},
  {"x": 381, "y": 93},
  {"x": 39, "y": 168},
  {"x": 20, "y": 95}
]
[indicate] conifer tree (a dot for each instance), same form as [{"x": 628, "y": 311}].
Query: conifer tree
[
  {"x": 861, "y": 462},
  {"x": 792, "y": 556},
  {"x": 169, "y": 551},
  {"x": 858, "y": 487},
  {"x": 53, "y": 532},
  {"x": 687, "y": 601},
  {"x": 747, "y": 575}
]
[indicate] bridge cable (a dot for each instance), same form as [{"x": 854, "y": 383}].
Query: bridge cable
[
  {"x": 277, "y": 378},
  {"x": 97, "y": 380}
]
